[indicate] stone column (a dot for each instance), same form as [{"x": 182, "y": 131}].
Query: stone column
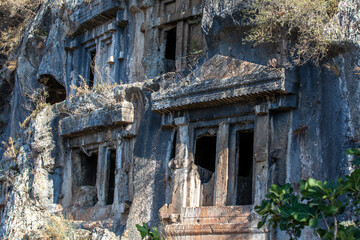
[
  {"x": 98, "y": 61},
  {"x": 180, "y": 165},
  {"x": 72, "y": 65},
  {"x": 112, "y": 59},
  {"x": 179, "y": 44},
  {"x": 261, "y": 152},
  {"x": 68, "y": 180},
  {"x": 127, "y": 168},
  {"x": 102, "y": 168},
  {"x": 69, "y": 80},
  {"x": 118, "y": 173},
  {"x": 185, "y": 45},
  {"x": 123, "y": 178},
  {"x": 222, "y": 165}
]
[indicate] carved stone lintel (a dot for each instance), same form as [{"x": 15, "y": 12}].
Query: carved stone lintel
[
  {"x": 261, "y": 109},
  {"x": 125, "y": 134},
  {"x": 181, "y": 121}
]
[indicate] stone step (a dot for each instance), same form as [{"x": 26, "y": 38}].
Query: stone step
[
  {"x": 214, "y": 231},
  {"x": 216, "y": 222},
  {"x": 217, "y": 214}
]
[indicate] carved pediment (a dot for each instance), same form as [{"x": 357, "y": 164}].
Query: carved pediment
[
  {"x": 99, "y": 119},
  {"x": 223, "y": 80}
]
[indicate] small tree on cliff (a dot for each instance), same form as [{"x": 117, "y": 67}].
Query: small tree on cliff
[
  {"x": 330, "y": 208},
  {"x": 300, "y": 26}
]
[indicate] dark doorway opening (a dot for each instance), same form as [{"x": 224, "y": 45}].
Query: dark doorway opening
[
  {"x": 56, "y": 91},
  {"x": 205, "y": 157},
  {"x": 111, "y": 177},
  {"x": 92, "y": 68},
  {"x": 88, "y": 169},
  {"x": 170, "y": 50},
  {"x": 245, "y": 146},
  {"x": 173, "y": 149}
]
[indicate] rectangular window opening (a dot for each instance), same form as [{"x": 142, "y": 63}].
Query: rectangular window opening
[
  {"x": 205, "y": 160},
  {"x": 111, "y": 177},
  {"x": 170, "y": 50},
  {"x": 88, "y": 169},
  {"x": 92, "y": 68},
  {"x": 205, "y": 157},
  {"x": 245, "y": 146}
]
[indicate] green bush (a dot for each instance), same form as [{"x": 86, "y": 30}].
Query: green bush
[
  {"x": 330, "y": 208},
  {"x": 301, "y": 23},
  {"x": 147, "y": 233}
]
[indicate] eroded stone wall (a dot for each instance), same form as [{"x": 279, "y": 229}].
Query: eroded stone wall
[{"x": 140, "y": 124}]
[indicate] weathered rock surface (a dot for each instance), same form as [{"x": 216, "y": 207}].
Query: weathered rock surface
[{"x": 126, "y": 149}]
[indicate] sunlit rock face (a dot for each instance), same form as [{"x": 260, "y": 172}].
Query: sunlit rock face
[{"x": 158, "y": 112}]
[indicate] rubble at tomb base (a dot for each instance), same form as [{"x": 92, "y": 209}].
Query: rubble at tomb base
[{"x": 158, "y": 112}]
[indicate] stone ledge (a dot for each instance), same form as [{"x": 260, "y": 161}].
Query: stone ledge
[
  {"x": 96, "y": 13},
  {"x": 229, "y": 221},
  {"x": 222, "y": 80},
  {"x": 216, "y": 211},
  {"x": 96, "y": 120},
  {"x": 215, "y": 228},
  {"x": 165, "y": 21}
]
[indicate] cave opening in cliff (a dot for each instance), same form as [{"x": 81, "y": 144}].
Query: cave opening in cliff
[
  {"x": 88, "y": 169},
  {"x": 56, "y": 92},
  {"x": 111, "y": 177},
  {"x": 205, "y": 157},
  {"x": 92, "y": 68},
  {"x": 170, "y": 50},
  {"x": 245, "y": 146}
]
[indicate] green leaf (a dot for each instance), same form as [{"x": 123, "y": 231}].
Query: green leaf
[
  {"x": 301, "y": 212},
  {"x": 321, "y": 232},
  {"x": 353, "y": 152},
  {"x": 144, "y": 230},
  {"x": 285, "y": 211},
  {"x": 155, "y": 233},
  {"x": 313, "y": 222},
  {"x": 261, "y": 223},
  {"x": 330, "y": 210}
]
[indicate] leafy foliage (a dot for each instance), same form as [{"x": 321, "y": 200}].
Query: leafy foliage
[
  {"x": 330, "y": 208},
  {"x": 303, "y": 22},
  {"x": 356, "y": 153},
  {"x": 147, "y": 233}
]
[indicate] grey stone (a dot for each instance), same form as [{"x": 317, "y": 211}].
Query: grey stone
[{"x": 135, "y": 131}]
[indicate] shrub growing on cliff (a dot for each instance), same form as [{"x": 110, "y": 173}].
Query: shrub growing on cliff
[
  {"x": 14, "y": 15},
  {"x": 303, "y": 22},
  {"x": 11, "y": 148},
  {"x": 37, "y": 103},
  {"x": 330, "y": 208},
  {"x": 147, "y": 233}
]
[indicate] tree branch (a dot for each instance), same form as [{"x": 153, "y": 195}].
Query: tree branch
[
  {"x": 326, "y": 224},
  {"x": 336, "y": 227}
]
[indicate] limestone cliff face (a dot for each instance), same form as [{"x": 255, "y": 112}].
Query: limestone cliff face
[{"x": 126, "y": 150}]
